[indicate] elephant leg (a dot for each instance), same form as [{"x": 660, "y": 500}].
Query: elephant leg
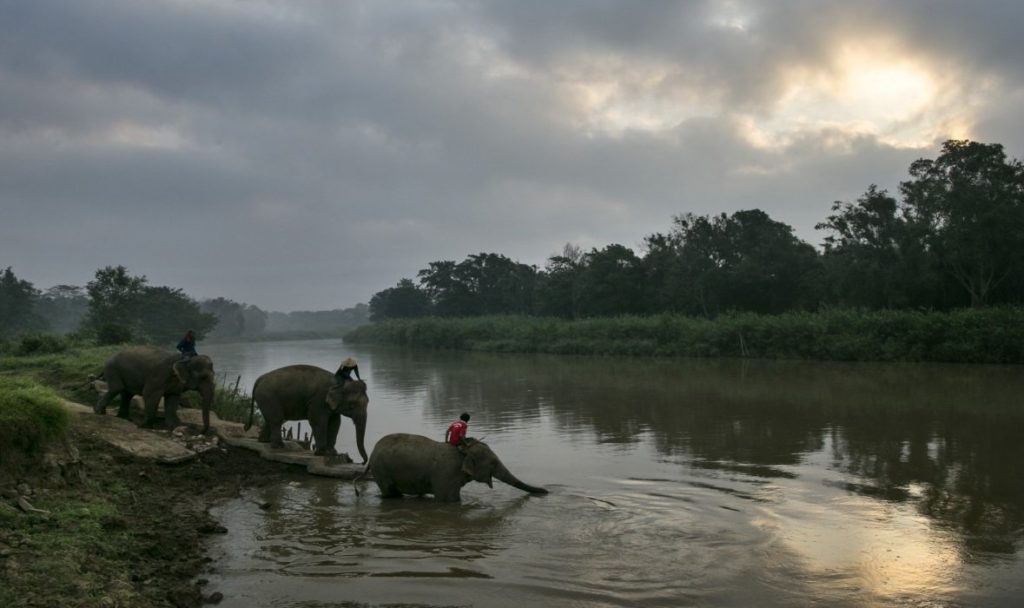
[
  {"x": 124, "y": 410},
  {"x": 101, "y": 403},
  {"x": 388, "y": 489},
  {"x": 152, "y": 399},
  {"x": 445, "y": 489},
  {"x": 275, "y": 434},
  {"x": 171, "y": 420},
  {"x": 333, "y": 426},
  {"x": 264, "y": 432},
  {"x": 320, "y": 433}
]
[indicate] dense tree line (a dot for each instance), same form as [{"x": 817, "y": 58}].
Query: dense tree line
[
  {"x": 117, "y": 307},
  {"x": 18, "y": 305},
  {"x": 954, "y": 238}
]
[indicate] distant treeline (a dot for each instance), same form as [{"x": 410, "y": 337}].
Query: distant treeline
[
  {"x": 953, "y": 239},
  {"x": 117, "y": 307},
  {"x": 969, "y": 335},
  {"x": 244, "y": 321}
]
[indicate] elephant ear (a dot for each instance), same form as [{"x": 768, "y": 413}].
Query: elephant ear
[
  {"x": 180, "y": 371},
  {"x": 333, "y": 398},
  {"x": 475, "y": 466}
]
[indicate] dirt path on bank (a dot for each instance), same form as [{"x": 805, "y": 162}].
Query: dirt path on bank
[{"x": 90, "y": 525}]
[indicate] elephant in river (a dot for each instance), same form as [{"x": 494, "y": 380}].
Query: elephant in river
[
  {"x": 306, "y": 392},
  {"x": 417, "y": 465},
  {"x": 155, "y": 373}
]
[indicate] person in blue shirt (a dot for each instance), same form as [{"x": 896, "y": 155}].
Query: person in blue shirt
[
  {"x": 346, "y": 369},
  {"x": 187, "y": 345}
]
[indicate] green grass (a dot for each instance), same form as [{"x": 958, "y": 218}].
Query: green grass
[
  {"x": 75, "y": 361},
  {"x": 231, "y": 402},
  {"x": 30, "y": 414},
  {"x": 66, "y": 372},
  {"x": 66, "y": 544},
  {"x": 989, "y": 335}
]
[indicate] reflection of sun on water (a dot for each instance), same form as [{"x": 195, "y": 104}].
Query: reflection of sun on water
[
  {"x": 882, "y": 548},
  {"x": 885, "y": 551}
]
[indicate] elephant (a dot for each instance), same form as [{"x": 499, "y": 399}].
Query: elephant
[
  {"x": 307, "y": 392},
  {"x": 416, "y": 465},
  {"x": 155, "y": 373}
]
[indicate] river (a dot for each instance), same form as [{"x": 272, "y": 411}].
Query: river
[{"x": 673, "y": 483}]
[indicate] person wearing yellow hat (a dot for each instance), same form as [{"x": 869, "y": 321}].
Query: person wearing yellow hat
[{"x": 346, "y": 369}]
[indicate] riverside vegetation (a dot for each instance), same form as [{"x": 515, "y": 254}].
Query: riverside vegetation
[
  {"x": 83, "y": 524},
  {"x": 977, "y": 335}
]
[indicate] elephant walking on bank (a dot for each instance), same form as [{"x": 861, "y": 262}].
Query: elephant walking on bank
[
  {"x": 306, "y": 392},
  {"x": 156, "y": 374},
  {"x": 417, "y": 465}
]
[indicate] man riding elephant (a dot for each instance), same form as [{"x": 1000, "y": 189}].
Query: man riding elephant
[
  {"x": 156, "y": 374},
  {"x": 306, "y": 392}
]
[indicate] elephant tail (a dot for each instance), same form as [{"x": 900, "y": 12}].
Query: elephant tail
[
  {"x": 359, "y": 477},
  {"x": 252, "y": 406},
  {"x": 91, "y": 380}
]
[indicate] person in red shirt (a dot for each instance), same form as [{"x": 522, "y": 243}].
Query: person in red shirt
[{"x": 457, "y": 430}]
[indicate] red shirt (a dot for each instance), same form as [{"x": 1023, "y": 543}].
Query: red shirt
[{"x": 457, "y": 431}]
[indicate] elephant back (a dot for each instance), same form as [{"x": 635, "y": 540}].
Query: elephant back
[{"x": 293, "y": 383}]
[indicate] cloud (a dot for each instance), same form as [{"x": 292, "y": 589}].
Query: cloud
[{"x": 303, "y": 155}]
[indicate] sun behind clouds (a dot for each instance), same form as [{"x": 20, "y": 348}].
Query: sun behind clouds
[{"x": 872, "y": 90}]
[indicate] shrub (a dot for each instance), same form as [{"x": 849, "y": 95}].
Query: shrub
[
  {"x": 30, "y": 414},
  {"x": 114, "y": 333},
  {"x": 232, "y": 403},
  {"x": 41, "y": 344}
]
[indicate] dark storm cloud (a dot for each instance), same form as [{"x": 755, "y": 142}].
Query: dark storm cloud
[{"x": 302, "y": 155}]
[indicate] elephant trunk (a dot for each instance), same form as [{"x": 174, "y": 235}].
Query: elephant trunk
[
  {"x": 506, "y": 476},
  {"x": 360, "y": 422},
  {"x": 206, "y": 391}
]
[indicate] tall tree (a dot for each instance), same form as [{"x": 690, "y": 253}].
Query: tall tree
[
  {"x": 403, "y": 301},
  {"x": 165, "y": 313},
  {"x": 230, "y": 317},
  {"x": 63, "y": 307},
  {"x": 485, "y": 283},
  {"x": 502, "y": 285},
  {"x": 255, "y": 320},
  {"x": 746, "y": 261},
  {"x": 17, "y": 305},
  {"x": 971, "y": 202},
  {"x": 124, "y": 308},
  {"x": 664, "y": 287},
  {"x": 450, "y": 294},
  {"x": 114, "y": 302},
  {"x": 874, "y": 257},
  {"x": 610, "y": 282},
  {"x": 558, "y": 286}
]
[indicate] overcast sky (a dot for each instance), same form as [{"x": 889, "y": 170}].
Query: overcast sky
[{"x": 305, "y": 155}]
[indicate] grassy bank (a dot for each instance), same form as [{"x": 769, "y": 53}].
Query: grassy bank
[
  {"x": 68, "y": 373},
  {"x": 990, "y": 335},
  {"x": 85, "y": 524},
  {"x": 30, "y": 416}
]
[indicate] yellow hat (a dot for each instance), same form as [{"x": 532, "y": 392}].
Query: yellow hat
[{"x": 350, "y": 362}]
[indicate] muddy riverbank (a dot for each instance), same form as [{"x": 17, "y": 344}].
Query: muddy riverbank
[{"x": 89, "y": 525}]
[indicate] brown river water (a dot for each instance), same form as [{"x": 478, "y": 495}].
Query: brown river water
[{"x": 673, "y": 483}]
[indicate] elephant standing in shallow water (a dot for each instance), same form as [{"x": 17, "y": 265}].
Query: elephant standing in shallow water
[
  {"x": 306, "y": 392},
  {"x": 417, "y": 465},
  {"x": 155, "y": 373}
]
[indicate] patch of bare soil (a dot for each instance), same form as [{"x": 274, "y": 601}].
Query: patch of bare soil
[{"x": 87, "y": 525}]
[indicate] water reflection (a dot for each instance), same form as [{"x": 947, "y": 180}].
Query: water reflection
[
  {"x": 947, "y": 438},
  {"x": 316, "y": 528},
  {"x": 680, "y": 483}
]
